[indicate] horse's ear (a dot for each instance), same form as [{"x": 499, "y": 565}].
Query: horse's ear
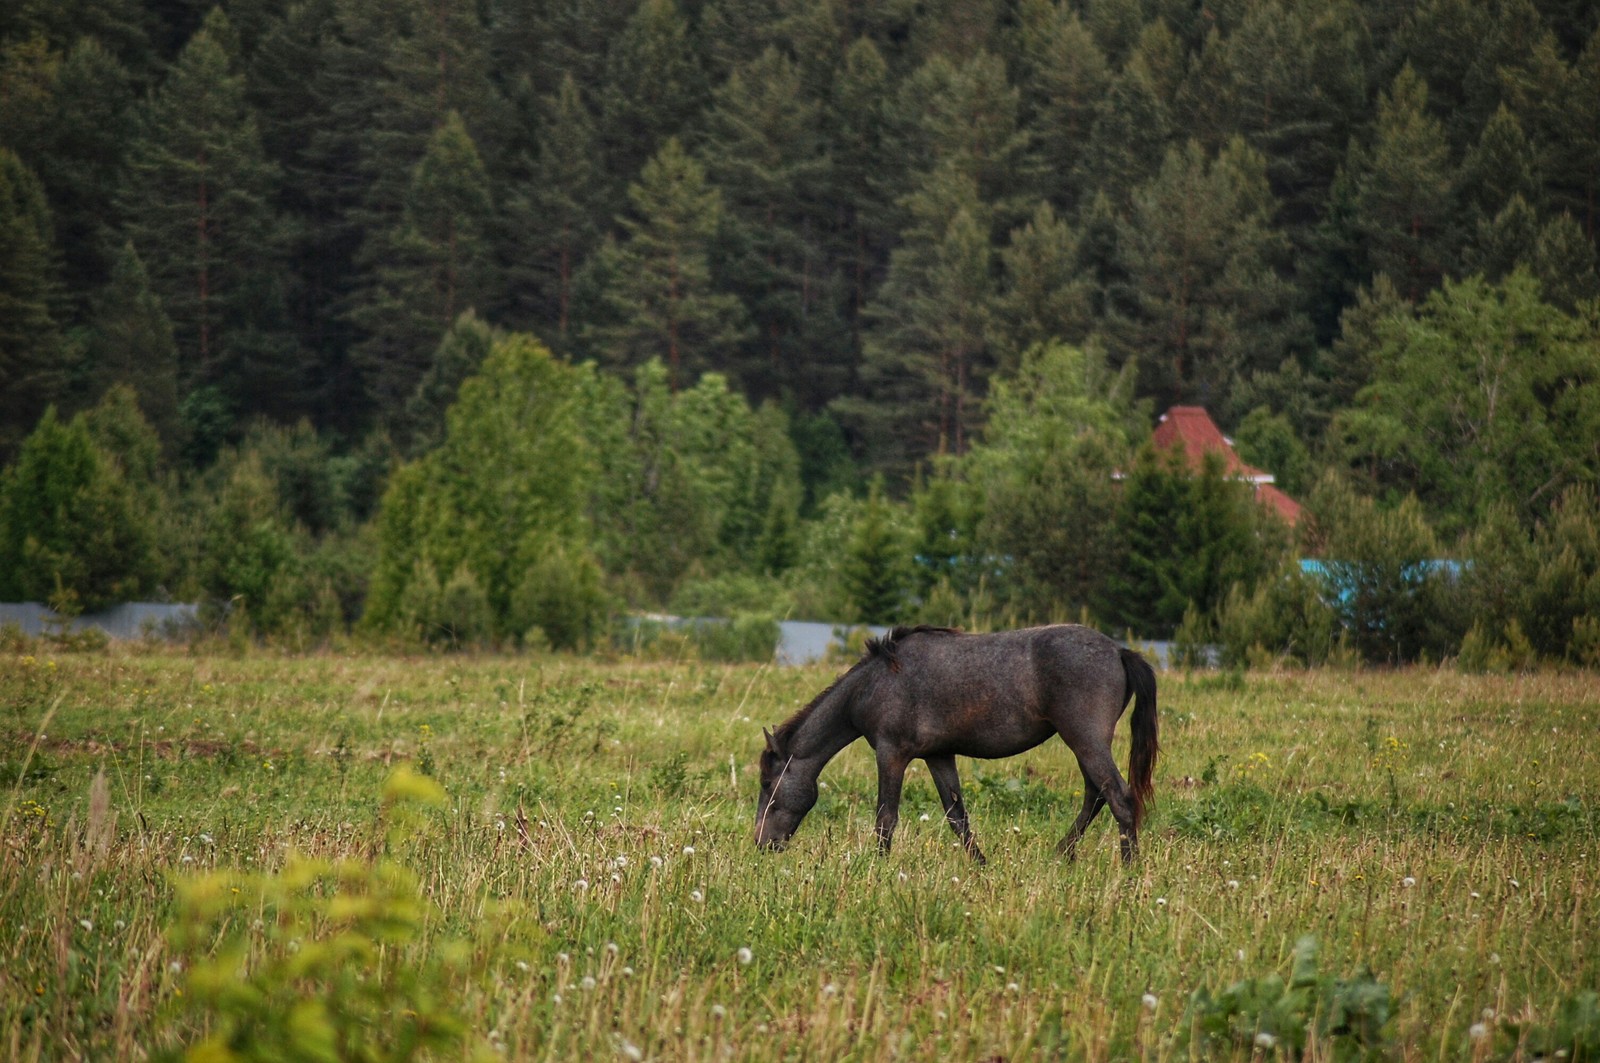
[{"x": 771, "y": 745}]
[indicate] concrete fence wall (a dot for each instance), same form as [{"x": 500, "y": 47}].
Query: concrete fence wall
[{"x": 131, "y": 620}]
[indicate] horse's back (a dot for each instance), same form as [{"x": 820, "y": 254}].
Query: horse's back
[{"x": 996, "y": 694}]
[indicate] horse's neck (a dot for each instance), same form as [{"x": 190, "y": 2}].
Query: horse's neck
[{"x": 825, "y": 731}]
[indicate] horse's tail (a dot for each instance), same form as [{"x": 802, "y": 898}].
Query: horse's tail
[{"x": 1145, "y": 747}]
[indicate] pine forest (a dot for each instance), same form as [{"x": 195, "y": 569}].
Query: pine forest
[{"x": 491, "y": 322}]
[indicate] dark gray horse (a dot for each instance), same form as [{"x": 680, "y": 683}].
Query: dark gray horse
[{"x": 935, "y": 693}]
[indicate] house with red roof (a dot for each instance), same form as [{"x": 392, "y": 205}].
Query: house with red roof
[{"x": 1193, "y": 428}]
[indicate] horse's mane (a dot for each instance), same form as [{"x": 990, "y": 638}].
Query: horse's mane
[
  {"x": 884, "y": 649},
  {"x": 888, "y": 647}
]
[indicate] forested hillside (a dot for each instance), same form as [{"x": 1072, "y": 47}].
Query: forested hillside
[{"x": 886, "y": 295}]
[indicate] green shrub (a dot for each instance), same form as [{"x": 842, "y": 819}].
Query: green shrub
[
  {"x": 1267, "y": 1012},
  {"x": 1572, "y": 1034},
  {"x": 747, "y": 637},
  {"x": 562, "y": 596},
  {"x": 1286, "y": 617},
  {"x": 325, "y": 960}
]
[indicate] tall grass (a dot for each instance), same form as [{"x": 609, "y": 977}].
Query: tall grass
[{"x": 1438, "y": 831}]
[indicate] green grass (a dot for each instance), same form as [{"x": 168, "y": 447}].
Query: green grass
[{"x": 1438, "y": 830}]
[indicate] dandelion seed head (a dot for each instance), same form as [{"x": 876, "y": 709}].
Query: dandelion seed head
[
  {"x": 581, "y": 885},
  {"x": 1408, "y": 882},
  {"x": 696, "y": 896},
  {"x": 1265, "y": 1040},
  {"x": 1478, "y": 1031},
  {"x": 718, "y": 1012},
  {"x": 688, "y": 850},
  {"x": 1149, "y": 1001},
  {"x": 587, "y": 984},
  {"x": 86, "y": 924},
  {"x": 744, "y": 956}
]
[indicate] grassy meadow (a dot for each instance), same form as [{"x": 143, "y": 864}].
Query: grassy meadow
[{"x": 588, "y": 888}]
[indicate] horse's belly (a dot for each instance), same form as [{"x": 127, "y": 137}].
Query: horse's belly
[{"x": 997, "y": 738}]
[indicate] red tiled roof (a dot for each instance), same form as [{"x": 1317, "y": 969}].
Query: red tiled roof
[
  {"x": 1282, "y": 504},
  {"x": 1200, "y": 436},
  {"x": 1193, "y": 427}
]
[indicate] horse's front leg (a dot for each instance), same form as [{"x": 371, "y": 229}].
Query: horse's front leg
[
  {"x": 891, "y": 776},
  {"x": 948, "y": 783}
]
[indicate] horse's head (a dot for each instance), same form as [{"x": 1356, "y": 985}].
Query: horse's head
[{"x": 786, "y": 796}]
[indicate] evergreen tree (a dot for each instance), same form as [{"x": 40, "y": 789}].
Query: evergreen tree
[
  {"x": 1574, "y": 137},
  {"x": 390, "y": 74},
  {"x": 927, "y": 353},
  {"x": 199, "y": 212},
  {"x": 551, "y": 224},
  {"x": 653, "y": 85},
  {"x": 123, "y": 26},
  {"x": 1063, "y": 78},
  {"x": 32, "y": 352},
  {"x": 1296, "y": 89},
  {"x": 855, "y": 117},
  {"x": 734, "y": 32},
  {"x": 1566, "y": 265},
  {"x": 460, "y": 355},
  {"x": 131, "y": 343},
  {"x": 1046, "y": 293},
  {"x": 659, "y": 299},
  {"x": 1145, "y": 591},
  {"x": 874, "y": 566},
  {"x": 763, "y": 152},
  {"x": 1190, "y": 538},
  {"x": 1130, "y": 133},
  {"x": 69, "y": 118},
  {"x": 439, "y": 269},
  {"x": 1404, "y": 212},
  {"x": 1500, "y": 166},
  {"x": 70, "y": 533},
  {"x": 963, "y": 121},
  {"x": 1203, "y": 257}
]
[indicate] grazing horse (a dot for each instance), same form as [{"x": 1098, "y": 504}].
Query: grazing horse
[{"x": 934, "y": 693}]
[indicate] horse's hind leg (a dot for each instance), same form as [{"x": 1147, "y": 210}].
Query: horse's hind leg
[
  {"x": 891, "y": 776},
  {"x": 1093, "y": 802},
  {"x": 948, "y": 783},
  {"x": 1100, "y": 771}
]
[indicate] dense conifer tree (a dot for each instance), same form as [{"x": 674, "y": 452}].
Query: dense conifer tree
[
  {"x": 1203, "y": 256},
  {"x": 198, "y": 204},
  {"x": 653, "y": 86},
  {"x": 658, "y": 299},
  {"x": 131, "y": 343},
  {"x": 764, "y": 153},
  {"x": 551, "y": 222},
  {"x": 438, "y": 266},
  {"x": 1403, "y": 210},
  {"x": 33, "y": 371}
]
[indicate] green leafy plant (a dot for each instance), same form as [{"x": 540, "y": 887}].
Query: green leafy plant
[
  {"x": 1573, "y": 1033},
  {"x": 324, "y": 960},
  {"x": 1268, "y": 1012}
]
